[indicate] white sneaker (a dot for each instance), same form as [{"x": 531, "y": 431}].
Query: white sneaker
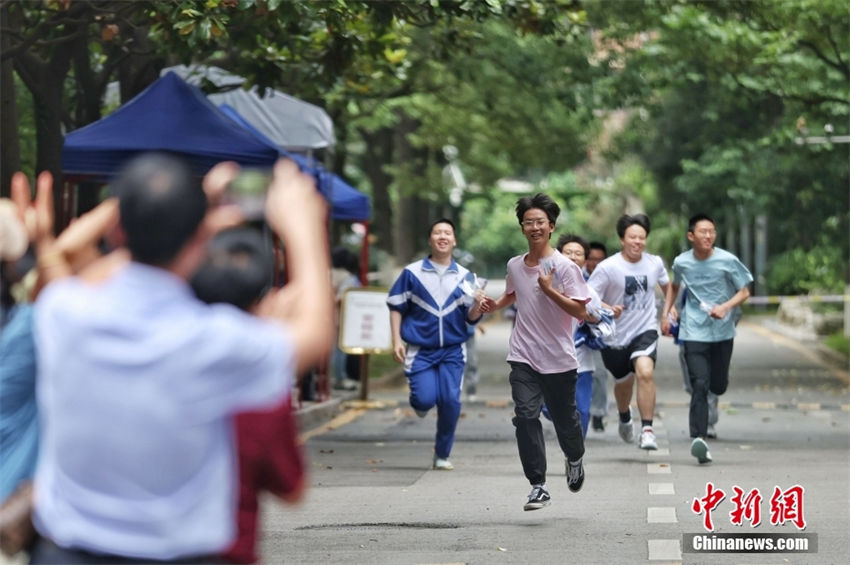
[
  {"x": 699, "y": 449},
  {"x": 627, "y": 431},
  {"x": 442, "y": 464},
  {"x": 647, "y": 439},
  {"x": 711, "y": 433}
]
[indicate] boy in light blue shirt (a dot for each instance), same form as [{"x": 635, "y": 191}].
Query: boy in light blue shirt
[{"x": 717, "y": 283}]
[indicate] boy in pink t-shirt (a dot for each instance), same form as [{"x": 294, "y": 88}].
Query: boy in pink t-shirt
[{"x": 550, "y": 295}]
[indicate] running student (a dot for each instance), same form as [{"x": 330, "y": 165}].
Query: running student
[
  {"x": 429, "y": 313},
  {"x": 627, "y": 282},
  {"x": 717, "y": 283},
  {"x": 550, "y": 294}
]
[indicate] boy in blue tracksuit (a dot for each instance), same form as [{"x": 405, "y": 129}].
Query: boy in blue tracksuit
[{"x": 429, "y": 310}]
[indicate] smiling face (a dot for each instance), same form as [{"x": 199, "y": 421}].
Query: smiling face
[
  {"x": 442, "y": 241},
  {"x": 703, "y": 237},
  {"x": 633, "y": 242},
  {"x": 536, "y": 227},
  {"x": 593, "y": 258},
  {"x": 574, "y": 251}
]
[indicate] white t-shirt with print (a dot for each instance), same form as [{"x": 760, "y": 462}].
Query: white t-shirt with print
[{"x": 618, "y": 281}]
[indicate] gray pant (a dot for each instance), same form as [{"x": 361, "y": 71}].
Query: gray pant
[
  {"x": 471, "y": 374},
  {"x": 599, "y": 396},
  {"x": 530, "y": 390}
]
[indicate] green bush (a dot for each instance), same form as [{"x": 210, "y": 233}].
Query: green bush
[
  {"x": 820, "y": 269},
  {"x": 838, "y": 342}
]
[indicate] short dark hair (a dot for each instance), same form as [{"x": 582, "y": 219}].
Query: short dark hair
[
  {"x": 161, "y": 203},
  {"x": 238, "y": 269},
  {"x": 626, "y": 221},
  {"x": 696, "y": 218},
  {"x": 441, "y": 221},
  {"x": 344, "y": 258},
  {"x": 540, "y": 201},
  {"x": 570, "y": 238},
  {"x": 598, "y": 245}
]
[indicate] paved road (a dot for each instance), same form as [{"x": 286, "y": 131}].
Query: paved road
[{"x": 785, "y": 421}]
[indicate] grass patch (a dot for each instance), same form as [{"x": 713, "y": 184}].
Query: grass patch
[{"x": 838, "y": 342}]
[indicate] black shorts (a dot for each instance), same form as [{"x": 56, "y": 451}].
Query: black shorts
[{"x": 618, "y": 360}]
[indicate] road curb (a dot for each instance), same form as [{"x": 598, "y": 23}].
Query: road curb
[{"x": 312, "y": 415}]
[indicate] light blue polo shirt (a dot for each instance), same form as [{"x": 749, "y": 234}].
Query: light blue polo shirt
[
  {"x": 712, "y": 281},
  {"x": 137, "y": 385}
]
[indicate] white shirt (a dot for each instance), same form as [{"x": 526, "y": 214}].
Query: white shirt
[
  {"x": 584, "y": 354},
  {"x": 618, "y": 281},
  {"x": 136, "y": 387}
]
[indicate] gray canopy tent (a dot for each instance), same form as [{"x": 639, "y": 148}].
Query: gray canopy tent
[{"x": 290, "y": 123}]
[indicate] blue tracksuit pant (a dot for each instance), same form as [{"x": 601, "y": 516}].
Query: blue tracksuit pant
[{"x": 435, "y": 379}]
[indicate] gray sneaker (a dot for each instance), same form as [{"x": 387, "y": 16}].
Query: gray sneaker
[
  {"x": 627, "y": 431},
  {"x": 441, "y": 464},
  {"x": 699, "y": 449},
  {"x": 575, "y": 475}
]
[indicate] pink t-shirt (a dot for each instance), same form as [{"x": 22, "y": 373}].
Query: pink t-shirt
[{"x": 543, "y": 333}]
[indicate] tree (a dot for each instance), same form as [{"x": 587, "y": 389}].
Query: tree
[{"x": 718, "y": 90}]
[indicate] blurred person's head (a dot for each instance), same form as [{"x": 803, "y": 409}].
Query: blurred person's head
[
  {"x": 702, "y": 233},
  {"x": 238, "y": 269},
  {"x": 597, "y": 252},
  {"x": 441, "y": 238},
  {"x": 633, "y": 231},
  {"x": 537, "y": 215},
  {"x": 575, "y": 247},
  {"x": 16, "y": 257},
  {"x": 344, "y": 258},
  {"x": 161, "y": 203}
]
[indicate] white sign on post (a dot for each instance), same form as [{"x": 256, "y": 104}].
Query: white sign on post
[{"x": 364, "y": 325}]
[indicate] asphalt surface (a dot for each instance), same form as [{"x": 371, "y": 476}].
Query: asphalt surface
[{"x": 785, "y": 422}]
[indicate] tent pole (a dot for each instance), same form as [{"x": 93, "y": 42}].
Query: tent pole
[{"x": 364, "y": 255}]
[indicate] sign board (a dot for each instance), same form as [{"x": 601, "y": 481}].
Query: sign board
[{"x": 364, "y": 325}]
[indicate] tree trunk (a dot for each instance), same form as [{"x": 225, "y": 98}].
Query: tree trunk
[
  {"x": 10, "y": 148},
  {"x": 414, "y": 213},
  {"x": 379, "y": 151}
]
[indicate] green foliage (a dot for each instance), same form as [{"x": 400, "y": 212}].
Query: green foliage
[
  {"x": 492, "y": 233},
  {"x": 798, "y": 271},
  {"x": 838, "y": 342}
]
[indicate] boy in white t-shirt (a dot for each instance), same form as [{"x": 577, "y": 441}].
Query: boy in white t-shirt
[
  {"x": 627, "y": 282},
  {"x": 550, "y": 295}
]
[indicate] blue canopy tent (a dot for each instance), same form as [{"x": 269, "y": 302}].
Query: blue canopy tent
[
  {"x": 169, "y": 115},
  {"x": 172, "y": 115}
]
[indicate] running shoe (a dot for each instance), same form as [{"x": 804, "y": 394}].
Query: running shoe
[
  {"x": 699, "y": 449},
  {"x": 421, "y": 413},
  {"x": 647, "y": 439},
  {"x": 538, "y": 498},
  {"x": 575, "y": 475},
  {"x": 598, "y": 424},
  {"x": 711, "y": 433},
  {"x": 627, "y": 431},
  {"x": 441, "y": 464}
]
